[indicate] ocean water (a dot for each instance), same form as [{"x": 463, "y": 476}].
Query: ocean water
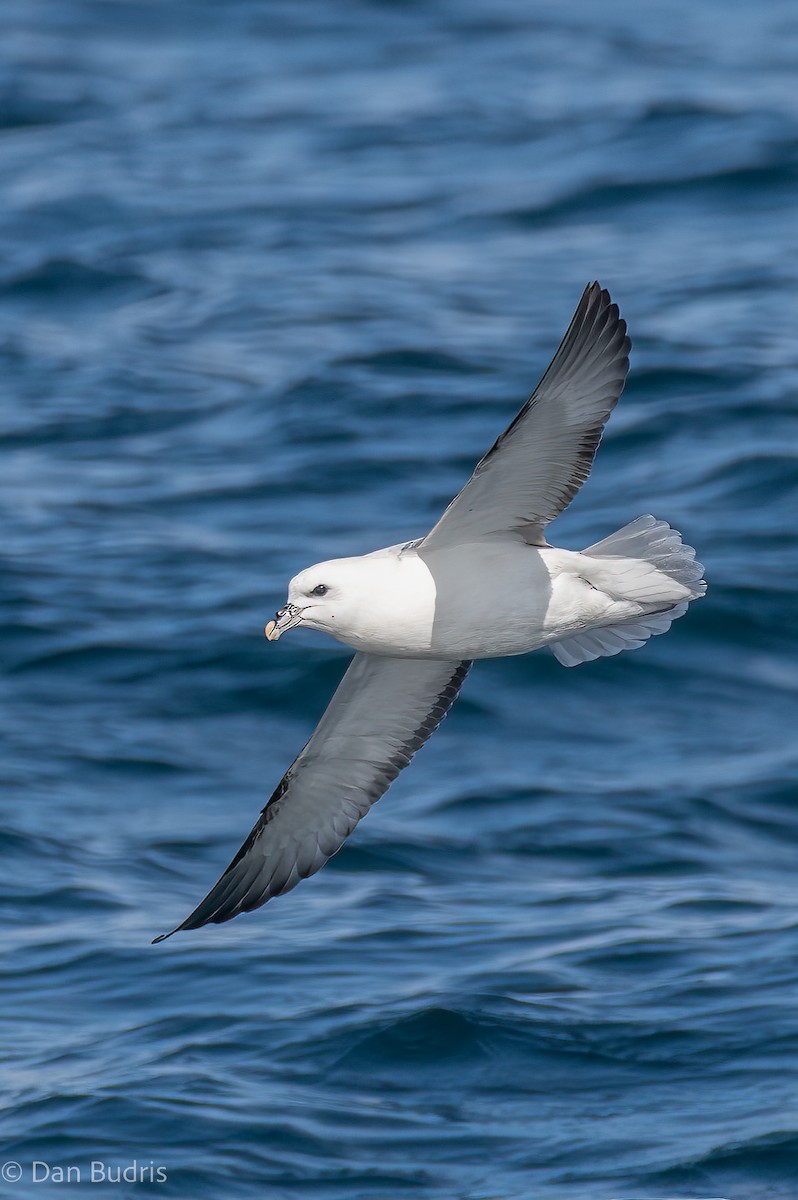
[{"x": 272, "y": 277}]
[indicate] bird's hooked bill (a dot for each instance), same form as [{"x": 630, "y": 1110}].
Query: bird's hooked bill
[{"x": 285, "y": 619}]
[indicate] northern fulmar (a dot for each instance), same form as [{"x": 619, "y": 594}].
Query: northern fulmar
[{"x": 484, "y": 583}]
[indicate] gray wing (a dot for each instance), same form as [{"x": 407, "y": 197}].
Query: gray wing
[
  {"x": 382, "y": 712},
  {"x": 544, "y": 456}
]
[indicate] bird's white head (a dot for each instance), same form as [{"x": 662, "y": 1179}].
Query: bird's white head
[
  {"x": 328, "y": 596},
  {"x": 381, "y": 603}
]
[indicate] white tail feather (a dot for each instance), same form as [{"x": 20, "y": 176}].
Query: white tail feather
[
  {"x": 649, "y": 540},
  {"x": 649, "y": 557}
]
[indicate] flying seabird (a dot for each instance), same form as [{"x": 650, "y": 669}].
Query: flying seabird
[{"x": 484, "y": 583}]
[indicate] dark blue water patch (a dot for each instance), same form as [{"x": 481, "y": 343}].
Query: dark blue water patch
[
  {"x": 412, "y": 362},
  {"x": 738, "y": 1166},
  {"x": 71, "y": 287},
  {"x": 773, "y": 180},
  {"x": 32, "y": 99},
  {"x": 80, "y": 427}
]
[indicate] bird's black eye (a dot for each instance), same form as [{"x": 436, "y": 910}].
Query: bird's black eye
[{"x": 320, "y": 590}]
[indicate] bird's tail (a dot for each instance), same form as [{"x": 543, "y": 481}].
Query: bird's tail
[
  {"x": 651, "y": 564},
  {"x": 648, "y": 540}
]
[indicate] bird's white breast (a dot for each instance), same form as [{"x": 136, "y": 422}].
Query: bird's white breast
[{"x": 396, "y": 608}]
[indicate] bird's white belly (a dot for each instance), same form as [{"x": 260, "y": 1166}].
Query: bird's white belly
[{"x": 514, "y": 603}]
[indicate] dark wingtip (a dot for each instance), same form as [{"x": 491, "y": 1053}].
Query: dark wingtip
[
  {"x": 163, "y": 936},
  {"x": 595, "y": 288},
  {"x": 606, "y": 302},
  {"x": 596, "y": 297}
]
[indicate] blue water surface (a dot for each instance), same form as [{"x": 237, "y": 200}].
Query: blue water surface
[{"x": 272, "y": 277}]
